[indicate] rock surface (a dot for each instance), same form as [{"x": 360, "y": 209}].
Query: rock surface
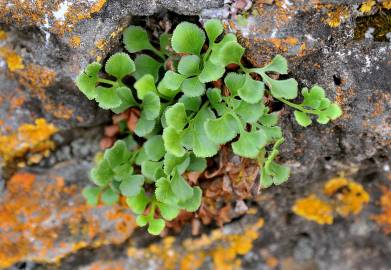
[
  {"x": 44, "y": 223},
  {"x": 45, "y": 45},
  {"x": 44, "y": 217}
]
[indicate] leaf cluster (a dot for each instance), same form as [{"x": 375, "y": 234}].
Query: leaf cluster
[{"x": 184, "y": 119}]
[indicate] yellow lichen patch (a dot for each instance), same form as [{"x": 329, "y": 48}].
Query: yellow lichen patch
[
  {"x": 386, "y": 4},
  {"x": 314, "y": 209},
  {"x": 3, "y": 35},
  {"x": 192, "y": 261},
  {"x": 29, "y": 138},
  {"x": 38, "y": 224},
  {"x": 226, "y": 257},
  {"x": 13, "y": 60},
  {"x": 384, "y": 219},
  {"x": 335, "y": 18},
  {"x": 333, "y": 185},
  {"x": 366, "y": 7},
  {"x": 100, "y": 44},
  {"x": 345, "y": 197},
  {"x": 223, "y": 249},
  {"x": 350, "y": 196},
  {"x": 74, "y": 41}
]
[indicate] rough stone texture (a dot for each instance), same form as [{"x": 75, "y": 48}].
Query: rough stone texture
[
  {"x": 44, "y": 217},
  {"x": 57, "y": 39},
  {"x": 316, "y": 36},
  {"x": 354, "y": 73},
  {"x": 44, "y": 45}
]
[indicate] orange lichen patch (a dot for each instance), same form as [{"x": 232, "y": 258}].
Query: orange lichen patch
[
  {"x": 37, "y": 223},
  {"x": 100, "y": 44},
  {"x": 75, "y": 13},
  {"x": 221, "y": 248},
  {"x": 273, "y": 46},
  {"x": 379, "y": 101},
  {"x": 302, "y": 50},
  {"x": 378, "y": 108},
  {"x": 107, "y": 265},
  {"x": 21, "y": 11},
  {"x": 272, "y": 262},
  {"x": 226, "y": 257},
  {"x": 350, "y": 196},
  {"x": 3, "y": 35},
  {"x": 384, "y": 219},
  {"x": 367, "y": 6},
  {"x": 192, "y": 261},
  {"x": 283, "y": 44},
  {"x": 13, "y": 60},
  {"x": 386, "y": 4},
  {"x": 340, "y": 99},
  {"x": 343, "y": 97},
  {"x": 336, "y": 17},
  {"x": 74, "y": 41},
  {"x": 126, "y": 221},
  {"x": 225, "y": 248},
  {"x": 29, "y": 138},
  {"x": 315, "y": 209},
  {"x": 165, "y": 251},
  {"x": 103, "y": 45},
  {"x": 42, "y": 12},
  {"x": 284, "y": 13},
  {"x": 17, "y": 101},
  {"x": 37, "y": 78}
]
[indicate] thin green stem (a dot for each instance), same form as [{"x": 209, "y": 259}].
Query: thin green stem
[
  {"x": 191, "y": 116},
  {"x": 246, "y": 70},
  {"x": 255, "y": 70},
  {"x": 158, "y": 53},
  {"x": 275, "y": 151},
  {"x": 297, "y": 106},
  {"x": 168, "y": 54},
  {"x": 261, "y": 158},
  {"x": 206, "y": 55},
  {"x": 153, "y": 207},
  {"x": 106, "y": 81},
  {"x": 120, "y": 83},
  {"x": 135, "y": 154},
  {"x": 111, "y": 186},
  {"x": 204, "y": 105}
]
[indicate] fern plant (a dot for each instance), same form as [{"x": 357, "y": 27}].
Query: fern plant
[{"x": 184, "y": 119}]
